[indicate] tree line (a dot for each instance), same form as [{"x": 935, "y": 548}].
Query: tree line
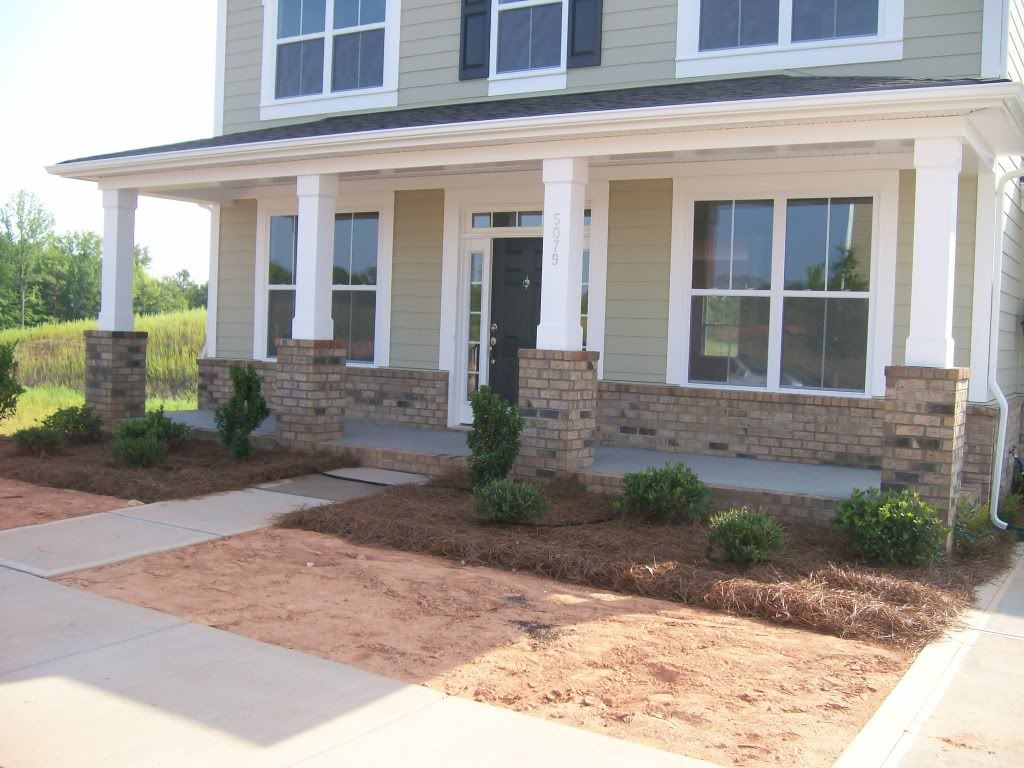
[{"x": 47, "y": 276}]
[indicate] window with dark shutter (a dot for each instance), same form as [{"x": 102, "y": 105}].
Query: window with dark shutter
[
  {"x": 475, "y": 47},
  {"x": 584, "y": 33}
]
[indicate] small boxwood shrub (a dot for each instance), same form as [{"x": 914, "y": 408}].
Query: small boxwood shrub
[
  {"x": 745, "y": 536},
  {"x": 494, "y": 439},
  {"x": 508, "y": 501},
  {"x": 172, "y": 433},
  {"x": 243, "y": 413},
  {"x": 973, "y": 534},
  {"x": 669, "y": 494},
  {"x": 145, "y": 442},
  {"x": 79, "y": 424},
  {"x": 38, "y": 441},
  {"x": 10, "y": 389},
  {"x": 892, "y": 528}
]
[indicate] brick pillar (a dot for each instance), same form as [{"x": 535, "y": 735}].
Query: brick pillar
[
  {"x": 309, "y": 391},
  {"x": 924, "y": 431},
  {"x": 558, "y": 400},
  {"x": 115, "y": 374}
]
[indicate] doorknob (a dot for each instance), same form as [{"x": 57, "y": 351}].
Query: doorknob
[
  {"x": 494, "y": 327},
  {"x": 494, "y": 342}
]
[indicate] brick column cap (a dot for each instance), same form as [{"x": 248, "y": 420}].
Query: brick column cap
[
  {"x": 116, "y": 334},
  {"x": 893, "y": 372},
  {"x": 313, "y": 343},
  {"x": 571, "y": 356}
]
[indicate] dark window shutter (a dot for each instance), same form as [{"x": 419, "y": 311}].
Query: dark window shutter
[
  {"x": 475, "y": 48},
  {"x": 584, "y": 33}
]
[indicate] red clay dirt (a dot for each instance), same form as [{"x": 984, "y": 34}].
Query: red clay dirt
[
  {"x": 25, "y": 504},
  {"x": 729, "y": 690}
]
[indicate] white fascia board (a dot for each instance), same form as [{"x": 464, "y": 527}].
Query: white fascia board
[{"x": 934, "y": 100}]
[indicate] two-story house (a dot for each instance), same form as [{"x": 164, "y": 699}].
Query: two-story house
[{"x": 766, "y": 229}]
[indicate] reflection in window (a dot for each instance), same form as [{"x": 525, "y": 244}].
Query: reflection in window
[
  {"x": 825, "y": 343},
  {"x": 828, "y": 244},
  {"x": 585, "y": 300},
  {"x": 729, "y": 340},
  {"x": 732, "y": 245},
  {"x": 281, "y": 272}
]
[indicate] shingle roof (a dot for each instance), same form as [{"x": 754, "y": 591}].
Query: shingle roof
[{"x": 700, "y": 92}]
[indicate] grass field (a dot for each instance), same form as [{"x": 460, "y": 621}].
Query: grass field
[{"x": 54, "y": 355}]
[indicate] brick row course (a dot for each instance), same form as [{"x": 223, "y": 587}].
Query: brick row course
[
  {"x": 115, "y": 374},
  {"x": 558, "y": 402}
]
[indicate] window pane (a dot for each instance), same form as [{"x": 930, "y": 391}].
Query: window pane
[
  {"x": 588, "y": 217},
  {"x": 280, "y": 313},
  {"x": 817, "y": 20},
  {"x": 824, "y": 343},
  {"x": 586, "y": 267},
  {"x": 546, "y": 37},
  {"x": 346, "y": 13},
  {"x": 514, "y": 40},
  {"x": 358, "y": 60},
  {"x": 342, "y": 249},
  {"x": 504, "y": 219},
  {"x": 313, "y": 16},
  {"x": 474, "y": 327},
  {"x": 300, "y": 68},
  {"x": 531, "y": 219},
  {"x": 289, "y": 18},
  {"x": 849, "y": 245},
  {"x": 712, "y": 244},
  {"x": 752, "y": 245},
  {"x": 476, "y": 267},
  {"x": 729, "y": 340},
  {"x": 372, "y": 11},
  {"x": 282, "y": 250},
  {"x": 364, "y": 249},
  {"x": 474, "y": 298},
  {"x": 354, "y": 318},
  {"x": 856, "y": 17},
  {"x": 481, "y": 220},
  {"x": 737, "y": 23},
  {"x": 806, "y": 244}
]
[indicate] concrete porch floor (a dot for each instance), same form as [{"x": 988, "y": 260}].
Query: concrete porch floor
[{"x": 748, "y": 474}]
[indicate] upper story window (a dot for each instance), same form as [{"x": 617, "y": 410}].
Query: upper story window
[
  {"x": 528, "y": 45},
  {"x": 329, "y": 55},
  {"x": 718, "y": 37}
]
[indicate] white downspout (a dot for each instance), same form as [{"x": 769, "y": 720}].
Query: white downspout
[{"x": 993, "y": 355}]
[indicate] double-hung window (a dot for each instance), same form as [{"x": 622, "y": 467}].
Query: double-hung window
[
  {"x": 354, "y": 281},
  {"x": 528, "y": 45},
  {"x": 326, "y": 55},
  {"x": 730, "y": 36},
  {"x": 781, "y": 310}
]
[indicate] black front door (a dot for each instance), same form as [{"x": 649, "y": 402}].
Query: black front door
[{"x": 515, "y": 308}]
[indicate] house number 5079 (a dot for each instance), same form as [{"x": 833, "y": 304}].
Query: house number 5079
[{"x": 556, "y": 236}]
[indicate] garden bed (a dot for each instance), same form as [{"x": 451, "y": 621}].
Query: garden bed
[
  {"x": 813, "y": 584},
  {"x": 197, "y": 468}
]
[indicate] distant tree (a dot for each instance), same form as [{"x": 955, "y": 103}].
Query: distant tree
[
  {"x": 71, "y": 283},
  {"x": 28, "y": 227}
]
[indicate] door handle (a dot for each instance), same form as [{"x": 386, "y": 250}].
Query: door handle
[
  {"x": 494, "y": 327},
  {"x": 494, "y": 342}
]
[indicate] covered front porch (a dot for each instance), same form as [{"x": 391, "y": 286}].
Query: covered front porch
[{"x": 795, "y": 281}]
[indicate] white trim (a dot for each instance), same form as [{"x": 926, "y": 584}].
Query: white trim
[
  {"x": 995, "y": 38},
  {"x": 210, "y": 348},
  {"x": 221, "y": 64},
  {"x": 531, "y": 80},
  {"x": 981, "y": 310},
  {"x": 881, "y": 186},
  {"x": 327, "y": 101},
  {"x": 447, "y": 358},
  {"x": 349, "y": 200},
  {"x": 597, "y": 309},
  {"x": 887, "y": 45}
]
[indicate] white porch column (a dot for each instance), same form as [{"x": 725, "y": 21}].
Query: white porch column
[
  {"x": 118, "y": 262},
  {"x": 981, "y": 318},
  {"x": 938, "y": 163},
  {"x": 314, "y": 266},
  {"x": 565, "y": 190}
]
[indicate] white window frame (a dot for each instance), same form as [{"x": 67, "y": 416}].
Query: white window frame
[
  {"x": 383, "y": 204},
  {"x": 882, "y": 187},
  {"x": 546, "y": 79},
  {"x": 887, "y": 45},
  {"x": 327, "y": 101}
]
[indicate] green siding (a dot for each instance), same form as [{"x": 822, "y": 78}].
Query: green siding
[
  {"x": 639, "y": 255},
  {"x": 416, "y": 279},
  {"x": 236, "y": 279},
  {"x": 1011, "y": 340},
  {"x": 941, "y": 38}
]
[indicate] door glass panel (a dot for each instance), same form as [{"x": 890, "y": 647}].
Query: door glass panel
[{"x": 476, "y": 269}]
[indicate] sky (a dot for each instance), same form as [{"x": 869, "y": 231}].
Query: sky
[{"x": 83, "y": 77}]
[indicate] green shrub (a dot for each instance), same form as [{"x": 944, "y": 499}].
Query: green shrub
[
  {"x": 893, "y": 528},
  {"x": 10, "y": 389},
  {"x": 494, "y": 439},
  {"x": 973, "y": 533},
  {"x": 38, "y": 441},
  {"x": 669, "y": 494},
  {"x": 156, "y": 423},
  {"x": 508, "y": 501},
  {"x": 745, "y": 536},
  {"x": 1011, "y": 509},
  {"x": 243, "y": 413},
  {"x": 136, "y": 449},
  {"x": 78, "y": 424}
]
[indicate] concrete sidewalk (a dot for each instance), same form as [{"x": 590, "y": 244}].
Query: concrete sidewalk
[
  {"x": 960, "y": 705},
  {"x": 89, "y": 681}
]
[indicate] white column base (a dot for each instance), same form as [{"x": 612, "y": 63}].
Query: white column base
[{"x": 930, "y": 352}]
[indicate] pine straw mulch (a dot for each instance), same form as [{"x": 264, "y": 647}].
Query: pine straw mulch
[
  {"x": 814, "y": 584},
  {"x": 198, "y": 468}
]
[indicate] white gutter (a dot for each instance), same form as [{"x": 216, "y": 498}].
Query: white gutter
[
  {"x": 993, "y": 353},
  {"x": 924, "y": 100}
]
